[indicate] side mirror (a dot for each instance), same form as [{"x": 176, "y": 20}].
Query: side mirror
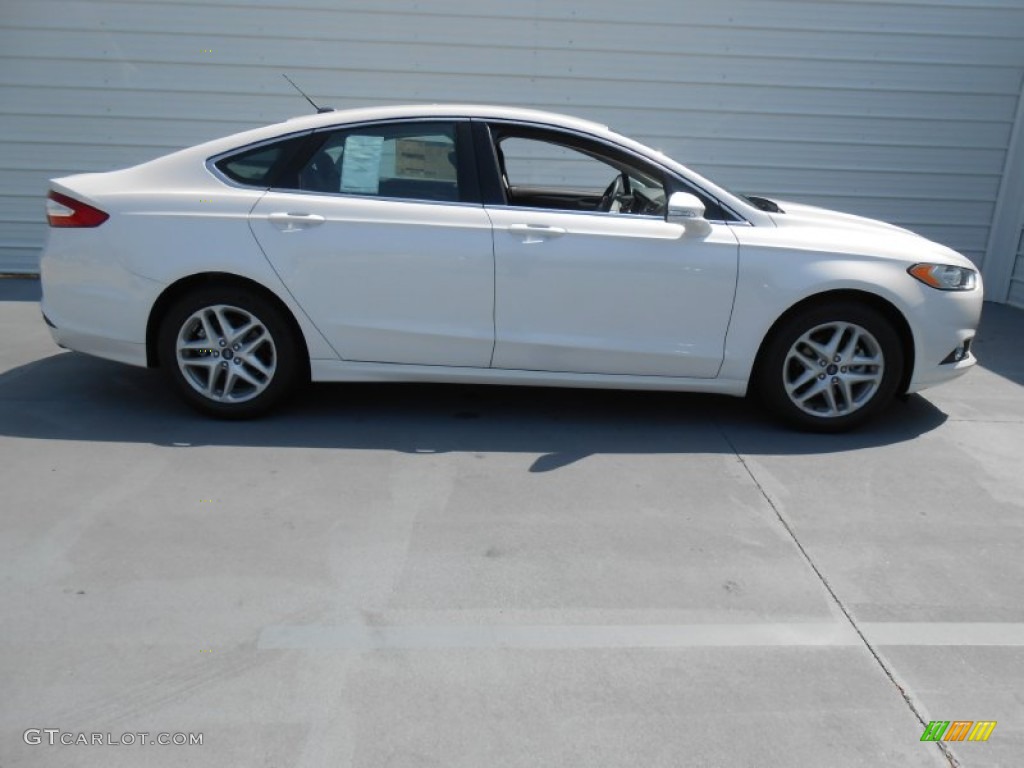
[{"x": 686, "y": 209}]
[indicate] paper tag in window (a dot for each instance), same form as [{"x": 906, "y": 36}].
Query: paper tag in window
[{"x": 360, "y": 165}]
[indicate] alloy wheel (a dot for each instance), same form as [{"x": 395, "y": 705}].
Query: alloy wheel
[
  {"x": 833, "y": 370},
  {"x": 226, "y": 354}
]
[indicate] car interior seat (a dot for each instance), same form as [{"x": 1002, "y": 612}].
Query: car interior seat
[{"x": 320, "y": 174}]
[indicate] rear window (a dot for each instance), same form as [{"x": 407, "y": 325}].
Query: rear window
[{"x": 259, "y": 167}]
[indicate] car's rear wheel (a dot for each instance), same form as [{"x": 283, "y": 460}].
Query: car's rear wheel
[
  {"x": 228, "y": 352},
  {"x": 830, "y": 368}
]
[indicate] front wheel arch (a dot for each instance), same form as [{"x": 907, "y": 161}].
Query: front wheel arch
[
  {"x": 175, "y": 291},
  {"x": 876, "y": 302}
]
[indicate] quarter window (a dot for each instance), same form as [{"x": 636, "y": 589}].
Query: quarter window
[{"x": 258, "y": 167}]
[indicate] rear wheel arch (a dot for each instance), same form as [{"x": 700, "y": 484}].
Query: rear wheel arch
[
  {"x": 175, "y": 291},
  {"x": 872, "y": 300}
]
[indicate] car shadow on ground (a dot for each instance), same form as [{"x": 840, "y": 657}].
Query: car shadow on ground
[
  {"x": 74, "y": 397},
  {"x": 1000, "y": 343}
]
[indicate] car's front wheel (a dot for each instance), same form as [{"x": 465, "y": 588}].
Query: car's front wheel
[
  {"x": 830, "y": 368},
  {"x": 228, "y": 352}
]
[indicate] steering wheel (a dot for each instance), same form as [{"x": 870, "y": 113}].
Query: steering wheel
[{"x": 610, "y": 202}]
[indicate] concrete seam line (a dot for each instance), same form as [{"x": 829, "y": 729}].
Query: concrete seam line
[{"x": 889, "y": 673}]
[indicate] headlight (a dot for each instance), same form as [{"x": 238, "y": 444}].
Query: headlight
[{"x": 945, "y": 277}]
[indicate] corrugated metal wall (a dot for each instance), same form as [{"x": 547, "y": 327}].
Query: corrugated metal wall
[
  {"x": 1016, "y": 294},
  {"x": 898, "y": 110}
]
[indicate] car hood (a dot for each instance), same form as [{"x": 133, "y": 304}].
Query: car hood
[
  {"x": 798, "y": 214},
  {"x": 807, "y": 227}
]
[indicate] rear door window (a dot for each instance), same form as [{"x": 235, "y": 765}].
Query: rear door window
[{"x": 411, "y": 161}]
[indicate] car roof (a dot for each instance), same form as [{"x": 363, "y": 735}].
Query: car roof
[
  {"x": 442, "y": 110},
  {"x": 371, "y": 114}
]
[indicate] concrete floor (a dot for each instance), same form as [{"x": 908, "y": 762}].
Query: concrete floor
[{"x": 459, "y": 576}]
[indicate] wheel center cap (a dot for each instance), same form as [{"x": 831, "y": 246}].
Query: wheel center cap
[
  {"x": 832, "y": 370},
  {"x": 227, "y": 354}
]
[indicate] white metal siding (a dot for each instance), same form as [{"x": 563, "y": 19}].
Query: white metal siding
[
  {"x": 898, "y": 110},
  {"x": 1016, "y": 295}
]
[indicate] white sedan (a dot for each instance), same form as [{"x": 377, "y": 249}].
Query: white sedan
[{"x": 491, "y": 245}]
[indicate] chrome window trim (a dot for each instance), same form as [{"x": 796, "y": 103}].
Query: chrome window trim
[
  {"x": 382, "y": 198},
  {"x": 647, "y": 216},
  {"x": 628, "y": 216}
]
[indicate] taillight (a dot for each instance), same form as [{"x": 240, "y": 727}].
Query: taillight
[{"x": 64, "y": 211}]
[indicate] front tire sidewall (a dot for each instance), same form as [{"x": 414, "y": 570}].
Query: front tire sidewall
[
  {"x": 286, "y": 346},
  {"x": 769, "y": 374}
]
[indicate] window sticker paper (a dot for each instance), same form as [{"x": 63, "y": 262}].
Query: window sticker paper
[{"x": 360, "y": 168}]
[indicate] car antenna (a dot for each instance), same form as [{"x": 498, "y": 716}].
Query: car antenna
[{"x": 319, "y": 110}]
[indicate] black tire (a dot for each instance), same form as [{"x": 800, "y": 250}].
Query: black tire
[
  {"x": 251, "y": 375},
  {"x": 839, "y": 396}
]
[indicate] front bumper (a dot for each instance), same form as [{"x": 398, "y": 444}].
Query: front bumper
[{"x": 943, "y": 324}]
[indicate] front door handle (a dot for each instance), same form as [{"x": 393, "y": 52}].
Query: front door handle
[
  {"x": 291, "y": 222},
  {"x": 535, "y": 233}
]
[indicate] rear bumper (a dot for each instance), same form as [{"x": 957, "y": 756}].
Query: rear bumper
[
  {"x": 91, "y": 303},
  {"x": 120, "y": 351}
]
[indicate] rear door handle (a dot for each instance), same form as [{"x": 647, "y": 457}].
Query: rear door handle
[
  {"x": 291, "y": 222},
  {"x": 535, "y": 233}
]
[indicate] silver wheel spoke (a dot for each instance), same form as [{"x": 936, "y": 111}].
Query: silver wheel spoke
[
  {"x": 233, "y": 375},
  {"x": 249, "y": 346},
  {"x": 807, "y": 377},
  {"x": 211, "y": 334},
  {"x": 861, "y": 378},
  {"x": 833, "y": 343},
  {"x": 200, "y": 363},
  {"x": 211, "y": 378},
  {"x": 811, "y": 393},
  {"x": 222, "y": 322},
  {"x": 819, "y": 350},
  {"x": 860, "y": 360},
  {"x": 240, "y": 333},
  {"x": 830, "y": 398},
  {"x": 808, "y": 363},
  {"x": 851, "y": 346},
  {"x": 847, "y": 389},
  {"x": 254, "y": 362},
  {"x": 241, "y": 373}
]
